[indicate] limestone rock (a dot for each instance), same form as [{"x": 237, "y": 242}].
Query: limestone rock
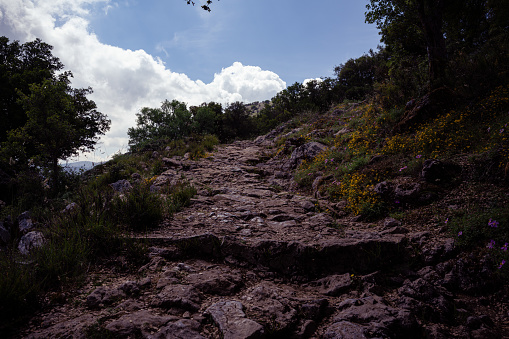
[
  {"x": 232, "y": 321},
  {"x": 333, "y": 285},
  {"x": 180, "y": 329},
  {"x": 30, "y": 241},
  {"x": 436, "y": 171},
  {"x": 305, "y": 152},
  {"x": 345, "y": 330},
  {"x": 178, "y": 296},
  {"x": 141, "y": 322},
  {"x": 25, "y": 222},
  {"x": 121, "y": 186},
  {"x": 380, "y": 319},
  {"x": 103, "y": 296}
]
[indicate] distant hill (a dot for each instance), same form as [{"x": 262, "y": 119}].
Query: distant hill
[{"x": 80, "y": 166}]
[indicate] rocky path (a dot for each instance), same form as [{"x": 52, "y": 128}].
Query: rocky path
[{"x": 249, "y": 259}]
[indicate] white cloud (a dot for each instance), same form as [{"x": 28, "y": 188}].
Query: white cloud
[
  {"x": 318, "y": 80},
  {"x": 123, "y": 80}
]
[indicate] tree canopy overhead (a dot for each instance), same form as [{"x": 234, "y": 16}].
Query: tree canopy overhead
[
  {"x": 438, "y": 30},
  {"x": 20, "y": 66},
  {"x": 46, "y": 120}
]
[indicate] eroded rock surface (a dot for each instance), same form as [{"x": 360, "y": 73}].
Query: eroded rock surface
[{"x": 250, "y": 258}]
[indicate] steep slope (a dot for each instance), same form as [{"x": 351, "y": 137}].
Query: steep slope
[{"x": 254, "y": 256}]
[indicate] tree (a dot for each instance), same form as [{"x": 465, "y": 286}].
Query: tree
[
  {"x": 207, "y": 118},
  {"x": 357, "y": 77},
  {"x": 439, "y": 30},
  {"x": 236, "y": 122},
  {"x": 61, "y": 122},
  {"x": 399, "y": 19},
  {"x": 20, "y": 66},
  {"x": 171, "y": 121}
]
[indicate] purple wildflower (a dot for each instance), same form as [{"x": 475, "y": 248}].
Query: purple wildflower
[
  {"x": 491, "y": 244},
  {"x": 396, "y": 202},
  {"x": 501, "y": 264},
  {"x": 446, "y": 220},
  {"x": 504, "y": 248},
  {"x": 493, "y": 223},
  {"x": 402, "y": 168},
  {"x": 418, "y": 156},
  {"x": 460, "y": 233}
]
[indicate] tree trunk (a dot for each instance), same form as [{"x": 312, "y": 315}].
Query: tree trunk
[{"x": 430, "y": 15}]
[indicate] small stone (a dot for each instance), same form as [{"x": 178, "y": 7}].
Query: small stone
[
  {"x": 307, "y": 205},
  {"x": 391, "y": 222}
]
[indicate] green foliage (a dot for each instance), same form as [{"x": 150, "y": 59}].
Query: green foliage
[
  {"x": 20, "y": 66},
  {"x": 476, "y": 229},
  {"x": 179, "y": 197},
  {"x": 487, "y": 229},
  {"x": 236, "y": 122},
  {"x": 451, "y": 40},
  {"x": 313, "y": 97},
  {"x": 138, "y": 209},
  {"x": 171, "y": 121},
  {"x": 207, "y": 119},
  {"x": 18, "y": 290},
  {"x": 356, "y": 77},
  {"x": 81, "y": 236},
  {"x": 209, "y": 142},
  {"x": 50, "y": 121}
]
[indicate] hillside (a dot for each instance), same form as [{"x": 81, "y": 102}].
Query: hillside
[{"x": 329, "y": 226}]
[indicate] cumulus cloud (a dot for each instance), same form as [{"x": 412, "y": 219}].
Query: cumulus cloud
[
  {"x": 318, "y": 80},
  {"x": 123, "y": 80}
]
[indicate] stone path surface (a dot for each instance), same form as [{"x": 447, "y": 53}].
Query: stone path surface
[{"x": 251, "y": 259}]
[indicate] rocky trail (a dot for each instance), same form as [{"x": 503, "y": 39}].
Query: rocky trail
[{"x": 252, "y": 258}]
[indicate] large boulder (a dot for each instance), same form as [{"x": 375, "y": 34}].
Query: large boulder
[
  {"x": 121, "y": 186},
  {"x": 305, "y": 152},
  {"x": 30, "y": 241}
]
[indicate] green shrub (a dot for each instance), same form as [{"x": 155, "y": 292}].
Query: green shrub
[
  {"x": 180, "y": 196},
  {"x": 479, "y": 227},
  {"x": 487, "y": 229},
  {"x": 209, "y": 141},
  {"x": 157, "y": 167},
  {"x": 139, "y": 209},
  {"x": 18, "y": 288}
]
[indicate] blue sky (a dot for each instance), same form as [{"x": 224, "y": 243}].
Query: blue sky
[
  {"x": 137, "y": 53},
  {"x": 294, "y": 39}
]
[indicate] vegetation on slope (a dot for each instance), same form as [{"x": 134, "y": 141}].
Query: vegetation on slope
[{"x": 413, "y": 106}]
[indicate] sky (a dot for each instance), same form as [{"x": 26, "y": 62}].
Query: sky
[{"x": 137, "y": 53}]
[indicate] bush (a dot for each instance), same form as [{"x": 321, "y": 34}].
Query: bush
[
  {"x": 179, "y": 197},
  {"x": 18, "y": 288},
  {"x": 488, "y": 229},
  {"x": 139, "y": 209}
]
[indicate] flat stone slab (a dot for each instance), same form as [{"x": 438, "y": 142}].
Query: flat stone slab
[{"x": 232, "y": 321}]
